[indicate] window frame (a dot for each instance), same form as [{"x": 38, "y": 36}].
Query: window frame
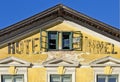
[
  {"x": 57, "y": 40},
  {"x": 61, "y": 77},
  {"x": 12, "y": 76},
  {"x": 70, "y": 70},
  {"x": 107, "y": 77},
  {"x": 71, "y": 40}
]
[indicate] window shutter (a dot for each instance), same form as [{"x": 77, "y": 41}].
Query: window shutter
[
  {"x": 71, "y": 40},
  {"x": 57, "y": 41},
  {"x": 77, "y": 40},
  {"x": 43, "y": 40}
]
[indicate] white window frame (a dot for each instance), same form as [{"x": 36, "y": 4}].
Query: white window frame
[
  {"x": 51, "y": 71},
  {"x": 107, "y": 76},
  {"x": 100, "y": 71},
  {"x": 61, "y": 76},
  {"x": 20, "y": 71},
  {"x": 12, "y": 76}
]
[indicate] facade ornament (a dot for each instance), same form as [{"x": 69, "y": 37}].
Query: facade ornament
[
  {"x": 12, "y": 70},
  {"x": 108, "y": 70},
  {"x": 61, "y": 70}
]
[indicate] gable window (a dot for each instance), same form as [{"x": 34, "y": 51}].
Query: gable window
[
  {"x": 61, "y": 78},
  {"x": 66, "y": 40},
  {"x": 63, "y": 40},
  {"x": 53, "y": 40},
  {"x": 12, "y": 78},
  {"x": 107, "y": 78}
]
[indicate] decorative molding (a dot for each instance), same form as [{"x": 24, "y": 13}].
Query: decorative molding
[
  {"x": 108, "y": 70},
  {"x": 61, "y": 70},
  {"x": 12, "y": 70},
  {"x": 13, "y": 61},
  {"x": 60, "y": 62},
  {"x": 106, "y": 61}
]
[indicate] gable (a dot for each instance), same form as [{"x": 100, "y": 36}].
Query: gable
[
  {"x": 108, "y": 60},
  {"x": 60, "y": 62},
  {"x": 89, "y": 36},
  {"x": 12, "y": 61}
]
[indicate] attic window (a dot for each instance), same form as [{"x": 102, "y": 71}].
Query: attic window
[
  {"x": 52, "y": 40},
  {"x": 64, "y": 40}
]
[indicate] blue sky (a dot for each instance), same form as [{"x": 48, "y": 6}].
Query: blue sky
[{"x": 13, "y": 11}]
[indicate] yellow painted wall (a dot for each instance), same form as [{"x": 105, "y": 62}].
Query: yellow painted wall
[
  {"x": 84, "y": 75},
  {"x": 37, "y": 75},
  {"x": 3, "y": 50},
  {"x": 60, "y": 27}
]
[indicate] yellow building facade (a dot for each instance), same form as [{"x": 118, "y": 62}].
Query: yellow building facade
[{"x": 60, "y": 45}]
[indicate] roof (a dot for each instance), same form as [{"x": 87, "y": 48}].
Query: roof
[{"x": 67, "y": 14}]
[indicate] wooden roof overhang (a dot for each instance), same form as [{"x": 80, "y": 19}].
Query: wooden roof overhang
[{"x": 58, "y": 11}]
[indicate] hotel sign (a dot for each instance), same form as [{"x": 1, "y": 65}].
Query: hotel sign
[
  {"x": 33, "y": 46},
  {"x": 29, "y": 46}
]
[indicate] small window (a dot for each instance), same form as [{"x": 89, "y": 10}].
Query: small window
[
  {"x": 52, "y": 40},
  {"x": 107, "y": 78},
  {"x": 12, "y": 78},
  {"x": 63, "y": 40},
  {"x": 66, "y": 40},
  {"x": 61, "y": 78}
]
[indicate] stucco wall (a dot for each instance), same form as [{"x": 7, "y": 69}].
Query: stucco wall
[
  {"x": 84, "y": 75},
  {"x": 36, "y": 75}
]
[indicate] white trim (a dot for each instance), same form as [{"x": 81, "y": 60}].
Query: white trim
[
  {"x": 21, "y": 63},
  {"x": 56, "y": 62},
  {"x": 102, "y": 62},
  {"x": 106, "y": 59}
]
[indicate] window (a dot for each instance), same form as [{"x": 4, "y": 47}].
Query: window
[
  {"x": 61, "y": 78},
  {"x": 107, "y": 78},
  {"x": 12, "y": 78},
  {"x": 63, "y": 40},
  {"x": 66, "y": 40},
  {"x": 52, "y": 40}
]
